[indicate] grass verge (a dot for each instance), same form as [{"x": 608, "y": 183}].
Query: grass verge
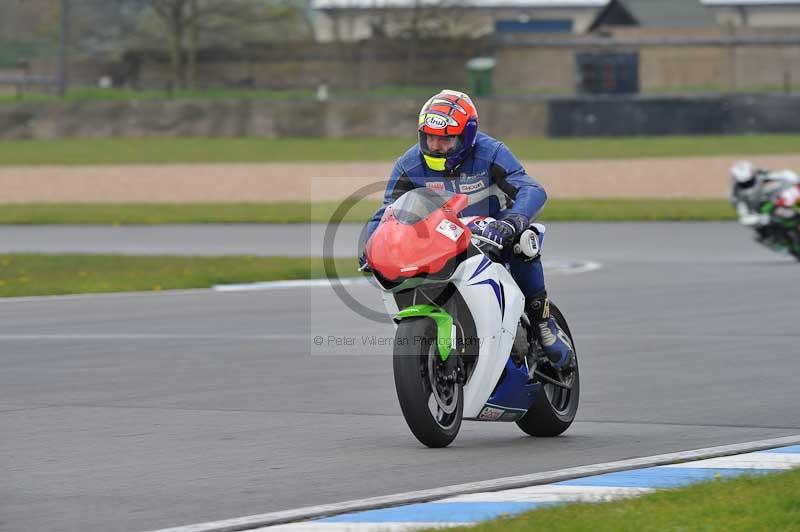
[
  {"x": 769, "y": 502},
  {"x": 257, "y": 150},
  {"x": 27, "y": 274},
  {"x": 196, "y": 213}
]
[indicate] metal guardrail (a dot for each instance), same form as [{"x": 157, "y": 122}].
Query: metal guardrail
[
  {"x": 25, "y": 79},
  {"x": 22, "y": 81}
]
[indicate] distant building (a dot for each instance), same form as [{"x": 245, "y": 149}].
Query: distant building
[
  {"x": 353, "y": 20},
  {"x": 672, "y": 14},
  {"x": 755, "y": 13}
]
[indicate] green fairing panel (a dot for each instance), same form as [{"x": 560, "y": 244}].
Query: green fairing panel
[{"x": 444, "y": 324}]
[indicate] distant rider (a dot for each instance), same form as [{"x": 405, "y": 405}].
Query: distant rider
[
  {"x": 756, "y": 193},
  {"x": 452, "y": 155}
]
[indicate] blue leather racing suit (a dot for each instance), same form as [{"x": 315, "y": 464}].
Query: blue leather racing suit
[{"x": 496, "y": 184}]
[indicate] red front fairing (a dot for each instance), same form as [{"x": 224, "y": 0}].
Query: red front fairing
[{"x": 398, "y": 251}]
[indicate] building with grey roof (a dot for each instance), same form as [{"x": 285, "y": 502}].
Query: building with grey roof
[{"x": 755, "y": 13}]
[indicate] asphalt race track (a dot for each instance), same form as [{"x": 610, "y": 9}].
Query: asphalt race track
[{"x": 137, "y": 412}]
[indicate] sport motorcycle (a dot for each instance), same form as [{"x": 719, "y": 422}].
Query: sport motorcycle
[{"x": 464, "y": 348}]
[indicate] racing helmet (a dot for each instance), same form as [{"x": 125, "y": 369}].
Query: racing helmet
[
  {"x": 743, "y": 174},
  {"x": 448, "y": 114}
]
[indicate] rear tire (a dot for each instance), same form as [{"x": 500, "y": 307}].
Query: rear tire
[
  {"x": 794, "y": 243},
  {"x": 416, "y": 362},
  {"x": 555, "y": 408}
]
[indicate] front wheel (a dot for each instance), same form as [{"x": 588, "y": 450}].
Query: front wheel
[
  {"x": 432, "y": 401},
  {"x": 555, "y": 407}
]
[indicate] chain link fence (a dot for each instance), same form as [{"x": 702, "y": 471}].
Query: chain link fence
[{"x": 269, "y": 49}]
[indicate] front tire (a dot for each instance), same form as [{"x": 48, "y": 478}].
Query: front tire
[
  {"x": 555, "y": 408},
  {"x": 432, "y": 407}
]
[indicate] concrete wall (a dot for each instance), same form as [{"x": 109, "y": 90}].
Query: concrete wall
[
  {"x": 770, "y": 16},
  {"x": 396, "y": 117},
  {"x": 535, "y": 68},
  {"x": 661, "y": 66},
  {"x": 666, "y": 67},
  {"x": 233, "y": 118}
]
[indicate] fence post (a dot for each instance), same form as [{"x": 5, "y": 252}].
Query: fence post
[{"x": 63, "y": 74}]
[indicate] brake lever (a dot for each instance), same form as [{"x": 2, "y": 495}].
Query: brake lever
[{"x": 487, "y": 241}]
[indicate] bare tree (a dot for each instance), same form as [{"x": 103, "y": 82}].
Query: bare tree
[
  {"x": 227, "y": 23},
  {"x": 422, "y": 19}
]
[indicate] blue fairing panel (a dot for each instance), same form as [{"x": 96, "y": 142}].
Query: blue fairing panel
[{"x": 513, "y": 396}]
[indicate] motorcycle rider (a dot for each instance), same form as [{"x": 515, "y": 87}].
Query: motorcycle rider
[
  {"x": 752, "y": 188},
  {"x": 453, "y": 155}
]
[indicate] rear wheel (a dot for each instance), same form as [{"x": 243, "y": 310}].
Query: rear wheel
[
  {"x": 794, "y": 243},
  {"x": 556, "y": 406},
  {"x": 432, "y": 400}
]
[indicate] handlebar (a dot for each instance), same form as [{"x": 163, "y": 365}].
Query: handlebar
[{"x": 487, "y": 241}]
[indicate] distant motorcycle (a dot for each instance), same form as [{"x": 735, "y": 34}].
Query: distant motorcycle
[
  {"x": 776, "y": 220},
  {"x": 463, "y": 348}
]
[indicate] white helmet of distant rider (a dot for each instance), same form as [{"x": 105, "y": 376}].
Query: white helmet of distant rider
[{"x": 744, "y": 174}]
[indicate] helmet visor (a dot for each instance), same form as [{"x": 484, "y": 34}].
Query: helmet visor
[{"x": 439, "y": 145}]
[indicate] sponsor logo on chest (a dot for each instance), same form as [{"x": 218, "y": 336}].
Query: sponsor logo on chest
[
  {"x": 471, "y": 187},
  {"x": 466, "y": 178},
  {"x": 435, "y": 185}
]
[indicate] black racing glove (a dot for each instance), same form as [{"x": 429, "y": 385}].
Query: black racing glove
[{"x": 503, "y": 232}]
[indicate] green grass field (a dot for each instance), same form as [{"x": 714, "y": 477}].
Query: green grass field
[
  {"x": 769, "y": 503},
  {"x": 40, "y": 274},
  {"x": 244, "y": 150},
  {"x": 150, "y": 214}
]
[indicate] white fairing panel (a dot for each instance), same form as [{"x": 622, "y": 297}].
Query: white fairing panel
[{"x": 496, "y": 304}]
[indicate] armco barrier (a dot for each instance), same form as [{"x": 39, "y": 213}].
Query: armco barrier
[{"x": 601, "y": 116}]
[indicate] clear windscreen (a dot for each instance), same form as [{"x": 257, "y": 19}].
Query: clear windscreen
[{"x": 417, "y": 204}]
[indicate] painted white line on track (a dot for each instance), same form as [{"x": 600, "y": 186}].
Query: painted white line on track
[
  {"x": 571, "y": 268},
  {"x": 280, "y": 285},
  {"x": 749, "y": 461},
  {"x": 551, "y": 268},
  {"x": 522, "y": 481},
  {"x": 358, "y": 527},
  {"x": 552, "y": 494},
  {"x": 104, "y": 295}
]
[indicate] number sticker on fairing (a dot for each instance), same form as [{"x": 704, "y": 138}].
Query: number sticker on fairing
[
  {"x": 490, "y": 414},
  {"x": 449, "y": 229}
]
